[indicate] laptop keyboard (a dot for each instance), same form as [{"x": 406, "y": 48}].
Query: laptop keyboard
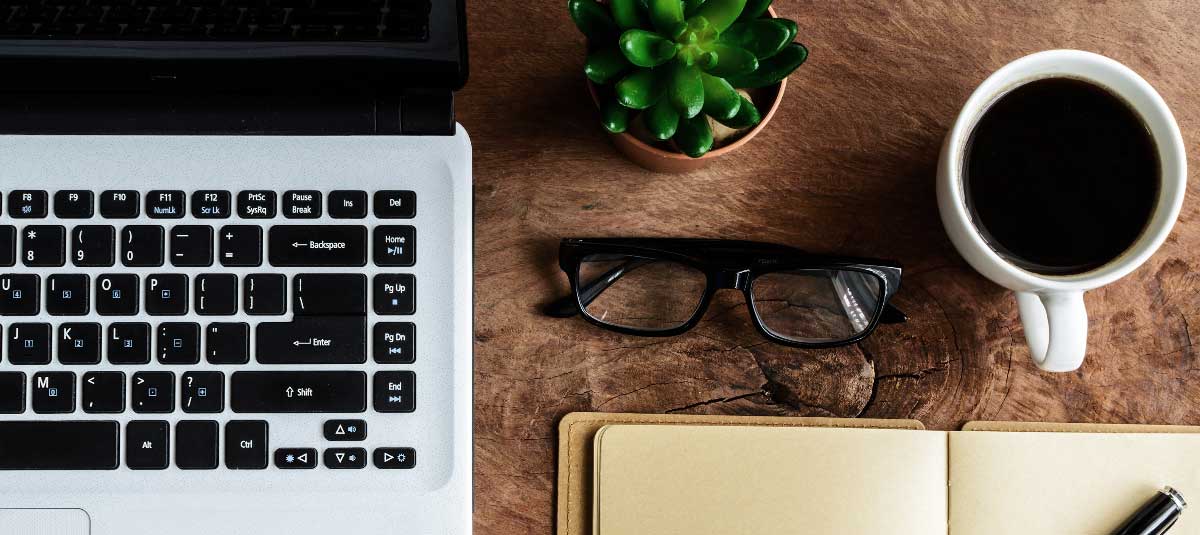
[{"x": 218, "y": 20}]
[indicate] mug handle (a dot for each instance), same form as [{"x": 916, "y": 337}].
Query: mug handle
[{"x": 1055, "y": 328}]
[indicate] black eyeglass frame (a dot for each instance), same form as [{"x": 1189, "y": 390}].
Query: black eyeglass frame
[{"x": 726, "y": 264}]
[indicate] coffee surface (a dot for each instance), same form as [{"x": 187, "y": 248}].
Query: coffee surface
[{"x": 1061, "y": 176}]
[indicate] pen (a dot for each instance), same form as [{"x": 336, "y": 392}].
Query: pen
[{"x": 1157, "y": 516}]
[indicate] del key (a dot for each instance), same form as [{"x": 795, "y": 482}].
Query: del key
[{"x": 318, "y": 245}]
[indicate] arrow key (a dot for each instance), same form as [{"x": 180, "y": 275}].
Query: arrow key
[
  {"x": 345, "y": 458},
  {"x": 345, "y": 430},
  {"x": 295, "y": 458},
  {"x": 103, "y": 392},
  {"x": 395, "y": 458}
]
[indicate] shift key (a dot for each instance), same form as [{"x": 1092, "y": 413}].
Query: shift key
[
  {"x": 296, "y": 392},
  {"x": 317, "y": 245},
  {"x": 313, "y": 340}
]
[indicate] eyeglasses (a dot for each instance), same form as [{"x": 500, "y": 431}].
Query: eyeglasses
[{"x": 662, "y": 287}]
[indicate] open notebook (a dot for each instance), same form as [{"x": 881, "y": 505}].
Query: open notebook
[{"x": 728, "y": 479}]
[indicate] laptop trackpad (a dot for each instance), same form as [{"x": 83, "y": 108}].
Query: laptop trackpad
[{"x": 44, "y": 522}]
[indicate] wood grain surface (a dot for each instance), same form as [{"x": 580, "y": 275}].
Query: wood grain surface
[{"x": 847, "y": 166}]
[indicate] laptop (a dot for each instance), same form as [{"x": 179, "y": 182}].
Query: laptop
[{"x": 235, "y": 268}]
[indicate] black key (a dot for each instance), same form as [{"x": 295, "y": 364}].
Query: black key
[
  {"x": 12, "y": 393},
  {"x": 395, "y": 294},
  {"x": 153, "y": 392},
  {"x": 165, "y": 204},
  {"x": 93, "y": 245},
  {"x": 103, "y": 392},
  {"x": 167, "y": 294},
  {"x": 8, "y": 245},
  {"x": 196, "y": 445},
  {"x": 395, "y": 245},
  {"x": 79, "y": 343},
  {"x": 302, "y": 204},
  {"x": 329, "y": 294},
  {"x": 117, "y": 295},
  {"x": 290, "y": 392},
  {"x": 142, "y": 246},
  {"x": 346, "y": 204},
  {"x": 395, "y": 391},
  {"x": 67, "y": 295},
  {"x": 27, "y": 203},
  {"x": 191, "y": 245},
  {"x": 210, "y": 204},
  {"x": 345, "y": 458},
  {"x": 241, "y": 245},
  {"x": 178, "y": 343},
  {"x": 394, "y": 343},
  {"x": 119, "y": 204},
  {"x": 264, "y": 294},
  {"x": 216, "y": 294},
  {"x": 313, "y": 340},
  {"x": 228, "y": 343},
  {"x": 317, "y": 245},
  {"x": 203, "y": 391},
  {"x": 19, "y": 295},
  {"x": 128, "y": 343},
  {"x": 43, "y": 245},
  {"x": 29, "y": 343},
  {"x": 295, "y": 458},
  {"x": 345, "y": 430},
  {"x": 256, "y": 204},
  {"x": 395, "y": 458},
  {"x": 53, "y": 392},
  {"x": 73, "y": 204},
  {"x": 246, "y": 445},
  {"x": 147, "y": 444},
  {"x": 59, "y": 445},
  {"x": 395, "y": 204}
]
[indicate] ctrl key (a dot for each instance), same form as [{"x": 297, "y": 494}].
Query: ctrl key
[{"x": 246, "y": 445}]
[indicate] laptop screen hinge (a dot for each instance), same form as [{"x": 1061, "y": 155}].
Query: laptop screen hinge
[{"x": 427, "y": 112}]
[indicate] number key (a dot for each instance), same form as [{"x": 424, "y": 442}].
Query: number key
[
  {"x": 142, "y": 246},
  {"x": 42, "y": 245},
  {"x": 8, "y": 245},
  {"x": 93, "y": 245}
]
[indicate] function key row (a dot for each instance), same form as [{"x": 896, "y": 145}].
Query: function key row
[{"x": 212, "y": 204}]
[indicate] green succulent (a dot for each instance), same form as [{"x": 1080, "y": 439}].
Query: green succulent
[{"x": 677, "y": 61}]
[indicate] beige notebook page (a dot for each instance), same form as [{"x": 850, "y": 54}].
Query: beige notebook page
[
  {"x": 710, "y": 480},
  {"x": 1065, "y": 483}
]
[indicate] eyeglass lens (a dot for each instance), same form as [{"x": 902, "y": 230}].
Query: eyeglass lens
[
  {"x": 817, "y": 305},
  {"x": 638, "y": 292}
]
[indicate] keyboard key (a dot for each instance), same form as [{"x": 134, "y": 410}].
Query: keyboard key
[
  {"x": 394, "y": 342},
  {"x": 117, "y": 295},
  {"x": 167, "y": 294},
  {"x": 329, "y": 294},
  {"x": 313, "y": 340},
  {"x": 395, "y": 458},
  {"x": 317, "y": 245},
  {"x": 210, "y": 204},
  {"x": 29, "y": 343},
  {"x": 153, "y": 392},
  {"x": 196, "y": 445},
  {"x": 93, "y": 245},
  {"x": 128, "y": 343},
  {"x": 119, "y": 204},
  {"x": 19, "y": 295},
  {"x": 395, "y": 294},
  {"x": 103, "y": 392},
  {"x": 203, "y": 392},
  {"x": 256, "y": 204},
  {"x": 191, "y": 246},
  {"x": 302, "y": 204},
  {"x": 298, "y": 392},
  {"x": 59, "y": 445},
  {"x": 395, "y": 391},
  {"x": 296, "y": 458},
  {"x": 228, "y": 343},
  {"x": 142, "y": 246},
  {"x": 25, "y": 204},
  {"x": 345, "y": 430},
  {"x": 216, "y": 294},
  {"x": 265, "y": 294},
  {"x": 12, "y": 393},
  {"x": 178, "y": 343},
  {"x": 79, "y": 343},
  {"x": 347, "y": 204},
  {"x": 241, "y": 245},
  {"x": 395, "y": 204},
  {"x": 395, "y": 245},
  {"x": 147, "y": 444},
  {"x": 73, "y": 204},
  {"x": 67, "y": 295},
  {"x": 345, "y": 458},
  {"x": 8, "y": 245},
  {"x": 246, "y": 445},
  {"x": 165, "y": 204},
  {"x": 53, "y": 393},
  {"x": 43, "y": 245}
]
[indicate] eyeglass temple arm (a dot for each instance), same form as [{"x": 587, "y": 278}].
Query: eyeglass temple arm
[{"x": 566, "y": 306}]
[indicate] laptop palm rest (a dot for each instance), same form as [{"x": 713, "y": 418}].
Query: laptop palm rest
[{"x": 44, "y": 522}]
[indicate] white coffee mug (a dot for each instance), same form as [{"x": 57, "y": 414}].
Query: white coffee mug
[{"x": 1051, "y": 306}]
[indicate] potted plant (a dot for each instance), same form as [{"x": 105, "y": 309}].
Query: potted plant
[{"x": 682, "y": 82}]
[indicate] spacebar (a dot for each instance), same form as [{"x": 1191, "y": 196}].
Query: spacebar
[{"x": 59, "y": 445}]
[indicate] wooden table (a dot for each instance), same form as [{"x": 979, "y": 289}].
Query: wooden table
[{"x": 847, "y": 166}]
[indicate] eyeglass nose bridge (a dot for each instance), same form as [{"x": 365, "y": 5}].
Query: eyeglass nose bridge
[{"x": 732, "y": 279}]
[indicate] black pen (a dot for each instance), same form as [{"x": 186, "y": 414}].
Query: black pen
[{"x": 1157, "y": 516}]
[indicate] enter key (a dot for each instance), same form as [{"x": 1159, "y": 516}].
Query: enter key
[{"x": 313, "y": 340}]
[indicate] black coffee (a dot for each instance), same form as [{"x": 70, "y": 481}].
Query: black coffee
[{"x": 1061, "y": 176}]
